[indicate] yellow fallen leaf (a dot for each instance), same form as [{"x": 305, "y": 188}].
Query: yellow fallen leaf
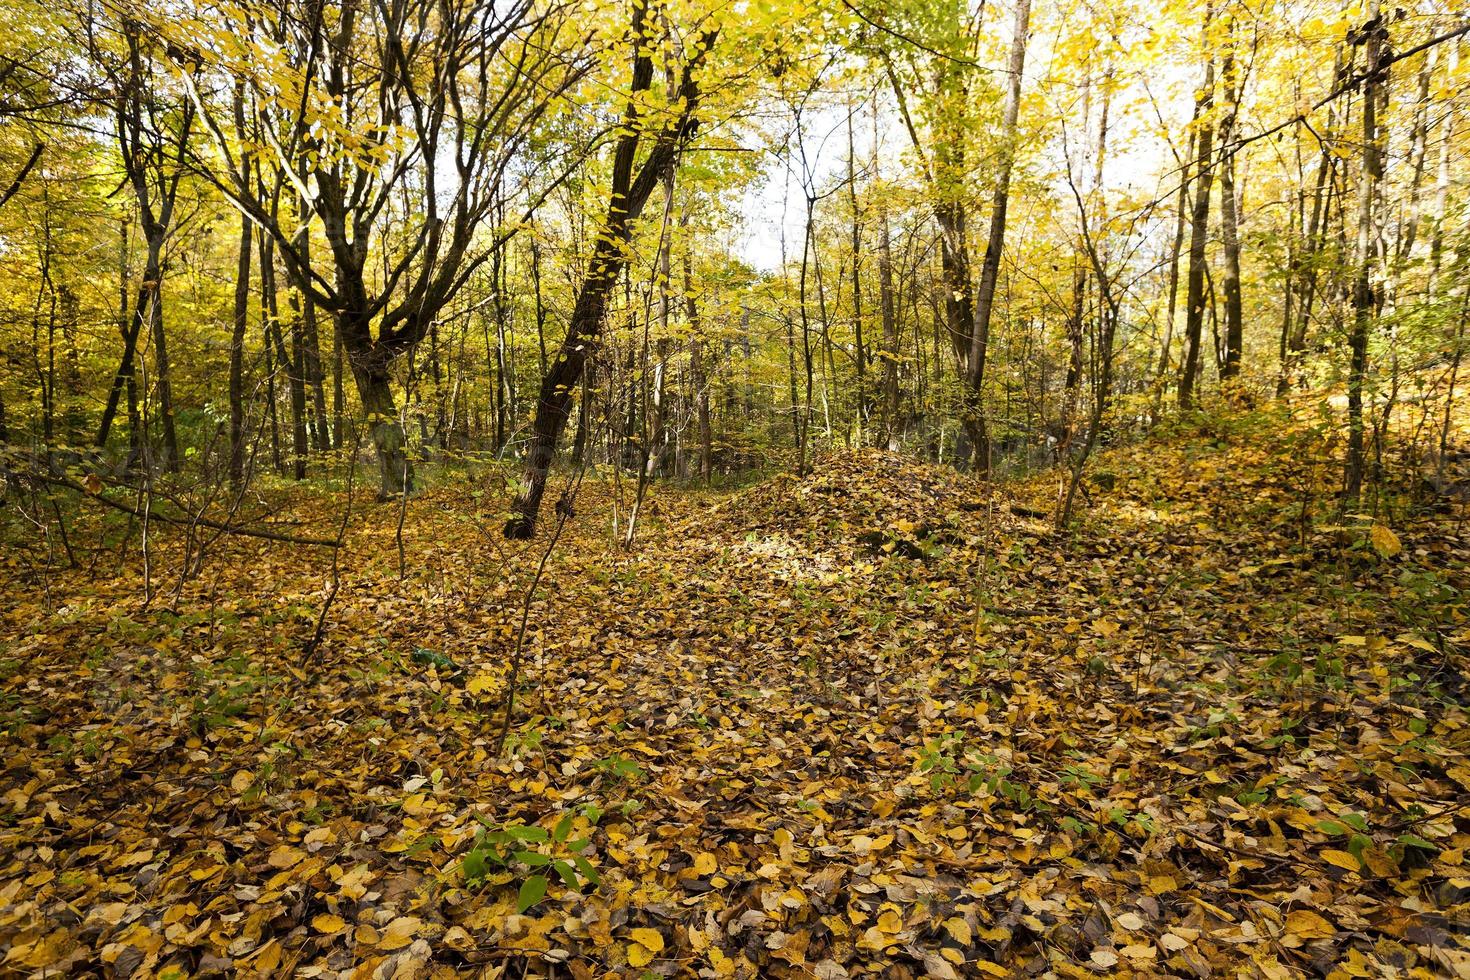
[
  {"x": 327, "y": 923},
  {"x": 400, "y": 932},
  {"x": 481, "y": 683},
  {"x": 1385, "y": 542},
  {"x": 1306, "y": 924},
  {"x": 723, "y": 965},
  {"x": 1161, "y": 884},
  {"x": 1341, "y": 859},
  {"x": 650, "y": 939},
  {"x": 1131, "y": 921},
  {"x": 959, "y": 929},
  {"x": 890, "y": 922},
  {"x": 875, "y": 939},
  {"x": 639, "y": 955},
  {"x": 706, "y": 864},
  {"x": 285, "y": 856}
]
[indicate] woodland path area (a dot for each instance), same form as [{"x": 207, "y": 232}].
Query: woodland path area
[{"x": 1198, "y": 736}]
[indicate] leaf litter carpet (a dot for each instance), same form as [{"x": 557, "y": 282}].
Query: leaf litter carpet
[{"x": 878, "y": 721}]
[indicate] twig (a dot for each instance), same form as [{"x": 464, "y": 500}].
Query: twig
[
  {"x": 564, "y": 513},
  {"x": 321, "y": 619},
  {"x": 184, "y": 522}
]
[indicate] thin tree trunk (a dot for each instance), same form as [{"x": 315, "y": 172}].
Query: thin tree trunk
[
  {"x": 1315, "y": 233},
  {"x": 1363, "y": 298},
  {"x": 128, "y": 327},
  {"x": 1076, "y": 337},
  {"x": 274, "y": 352},
  {"x": 315, "y": 376},
  {"x": 990, "y": 265},
  {"x": 609, "y": 257},
  {"x": 698, "y": 370},
  {"x": 1229, "y": 215},
  {"x": 892, "y": 425},
  {"x": 1441, "y": 199},
  {"x": 296, "y": 376},
  {"x": 339, "y": 394},
  {"x": 161, "y": 368},
  {"x": 1198, "y": 231},
  {"x": 1175, "y": 250},
  {"x": 860, "y": 355},
  {"x": 237, "y": 357}
]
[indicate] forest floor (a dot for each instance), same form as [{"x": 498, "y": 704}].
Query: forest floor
[{"x": 879, "y": 721}]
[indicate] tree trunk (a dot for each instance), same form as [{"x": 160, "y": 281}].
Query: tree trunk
[
  {"x": 296, "y": 375},
  {"x": 1175, "y": 250},
  {"x": 609, "y": 257},
  {"x": 892, "y": 425},
  {"x": 1194, "y": 297},
  {"x": 1441, "y": 201},
  {"x": 339, "y": 394},
  {"x": 1229, "y": 215},
  {"x": 370, "y": 363},
  {"x": 860, "y": 355},
  {"x": 1314, "y": 236},
  {"x": 128, "y": 327},
  {"x": 1372, "y": 38},
  {"x": 274, "y": 352},
  {"x": 161, "y": 364},
  {"x": 237, "y": 357},
  {"x": 395, "y": 472},
  {"x": 990, "y": 265},
  {"x": 315, "y": 376},
  {"x": 1072, "y": 382}
]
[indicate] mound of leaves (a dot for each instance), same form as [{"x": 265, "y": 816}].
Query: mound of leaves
[{"x": 872, "y": 500}]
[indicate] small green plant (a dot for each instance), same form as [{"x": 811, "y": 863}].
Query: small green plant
[
  {"x": 528, "y": 739},
  {"x": 1081, "y": 777},
  {"x": 1285, "y": 736},
  {"x": 621, "y": 767},
  {"x": 1215, "y": 725},
  {"x": 1131, "y": 821},
  {"x": 1251, "y": 795},
  {"x": 220, "y": 708},
  {"x": 531, "y": 854},
  {"x": 1081, "y": 828},
  {"x": 1351, "y": 826},
  {"x": 940, "y": 759}
]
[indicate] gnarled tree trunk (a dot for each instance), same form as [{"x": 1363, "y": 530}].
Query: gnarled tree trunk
[{"x": 609, "y": 257}]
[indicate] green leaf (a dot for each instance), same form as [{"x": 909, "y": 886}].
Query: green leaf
[
  {"x": 587, "y": 870},
  {"x": 1414, "y": 840},
  {"x": 533, "y": 890},
  {"x": 567, "y": 874},
  {"x": 563, "y": 828},
  {"x": 533, "y": 834},
  {"x": 533, "y": 858}
]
